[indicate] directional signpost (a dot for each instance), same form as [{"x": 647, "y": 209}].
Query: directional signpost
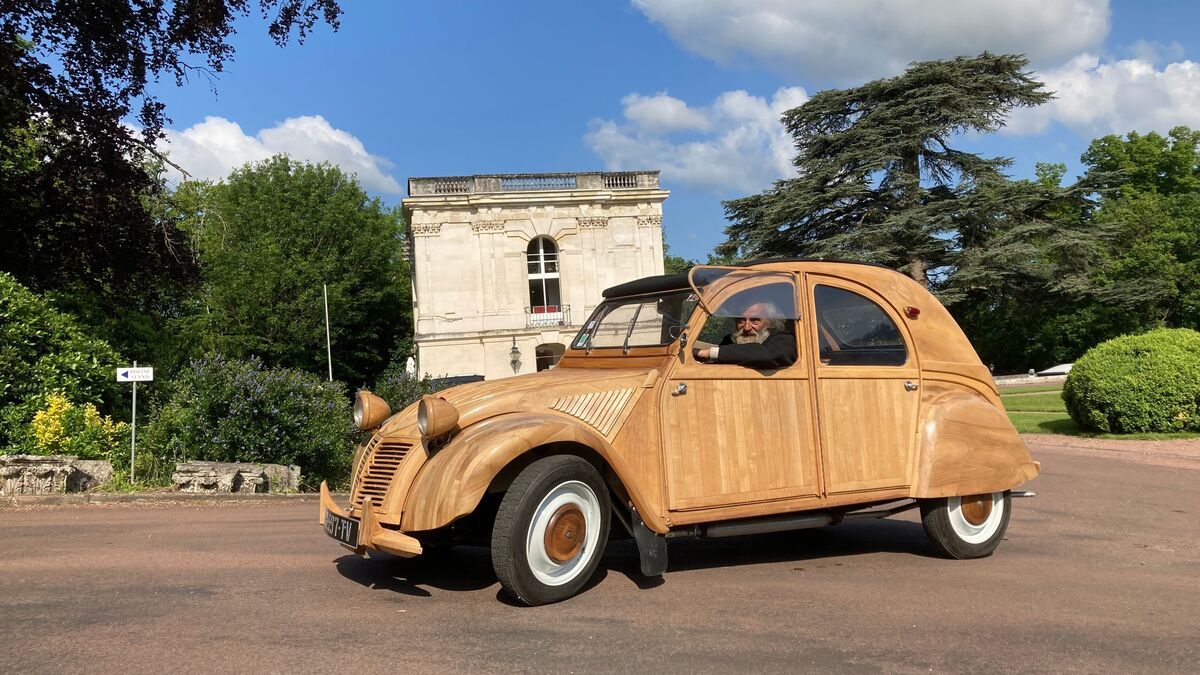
[{"x": 134, "y": 374}]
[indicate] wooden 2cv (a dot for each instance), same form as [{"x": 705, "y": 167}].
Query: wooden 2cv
[{"x": 734, "y": 400}]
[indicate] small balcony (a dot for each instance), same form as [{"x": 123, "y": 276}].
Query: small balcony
[{"x": 542, "y": 316}]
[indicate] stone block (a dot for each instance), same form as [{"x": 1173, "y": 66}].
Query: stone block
[
  {"x": 34, "y": 474},
  {"x": 234, "y": 477},
  {"x": 282, "y": 478},
  {"x": 89, "y": 474}
]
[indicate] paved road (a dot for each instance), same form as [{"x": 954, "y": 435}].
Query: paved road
[{"x": 1100, "y": 573}]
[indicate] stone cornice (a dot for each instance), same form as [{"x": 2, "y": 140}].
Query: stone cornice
[
  {"x": 427, "y": 230},
  {"x": 485, "y": 226}
]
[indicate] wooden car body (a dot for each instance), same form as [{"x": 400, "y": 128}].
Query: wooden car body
[{"x": 683, "y": 442}]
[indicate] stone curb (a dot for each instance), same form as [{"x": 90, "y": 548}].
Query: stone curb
[{"x": 113, "y": 498}]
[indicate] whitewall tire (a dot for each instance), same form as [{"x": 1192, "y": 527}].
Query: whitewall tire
[
  {"x": 550, "y": 530},
  {"x": 969, "y": 526}
]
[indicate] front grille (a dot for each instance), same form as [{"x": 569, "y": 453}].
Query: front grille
[{"x": 383, "y": 459}]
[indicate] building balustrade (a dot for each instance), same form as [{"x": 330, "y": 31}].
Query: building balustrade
[
  {"x": 531, "y": 182},
  {"x": 539, "y": 316}
]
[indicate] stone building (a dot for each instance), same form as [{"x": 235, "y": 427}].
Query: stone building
[{"x": 506, "y": 267}]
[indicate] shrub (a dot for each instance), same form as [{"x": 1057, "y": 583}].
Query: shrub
[
  {"x": 43, "y": 351},
  {"x": 1138, "y": 383},
  {"x": 225, "y": 410},
  {"x": 401, "y": 389},
  {"x": 63, "y": 428}
]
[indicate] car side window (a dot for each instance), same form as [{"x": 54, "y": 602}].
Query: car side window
[
  {"x": 762, "y": 315},
  {"x": 852, "y": 330}
]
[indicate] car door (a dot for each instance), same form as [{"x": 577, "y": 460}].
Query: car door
[
  {"x": 867, "y": 386},
  {"x": 733, "y": 433}
]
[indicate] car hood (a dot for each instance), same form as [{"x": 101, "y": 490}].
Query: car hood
[{"x": 477, "y": 401}]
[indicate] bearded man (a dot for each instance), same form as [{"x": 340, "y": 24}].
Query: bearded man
[{"x": 756, "y": 341}]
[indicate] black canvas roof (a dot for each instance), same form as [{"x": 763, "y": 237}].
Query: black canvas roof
[
  {"x": 662, "y": 282},
  {"x": 670, "y": 282}
]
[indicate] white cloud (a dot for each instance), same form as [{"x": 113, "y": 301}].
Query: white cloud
[
  {"x": 1156, "y": 52},
  {"x": 736, "y": 143},
  {"x": 662, "y": 113},
  {"x": 213, "y": 148},
  {"x": 867, "y": 39},
  {"x": 1095, "y": 98}
]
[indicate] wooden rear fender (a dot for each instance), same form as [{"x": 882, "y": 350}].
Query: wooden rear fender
[
  {"x": 454, "y": 480},
  {"x": 968, "y": 446}
]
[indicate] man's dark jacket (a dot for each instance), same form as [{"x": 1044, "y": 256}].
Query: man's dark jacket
[{"x": 777, "y": 351}]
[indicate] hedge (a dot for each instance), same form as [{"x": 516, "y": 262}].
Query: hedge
[{"x": 1138, "y": 383}]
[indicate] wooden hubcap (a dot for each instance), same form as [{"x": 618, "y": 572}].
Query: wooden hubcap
[
  {"x": 976, "y": 509},
  {"x": 564, "y": 534}
]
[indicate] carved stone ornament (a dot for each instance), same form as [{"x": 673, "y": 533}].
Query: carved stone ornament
[
  {"x": 484, "y": 226},
  {"x": 430, "y": 230},
  {"x": 649, "y": 221},
  {"x": 593, "y": 222}
]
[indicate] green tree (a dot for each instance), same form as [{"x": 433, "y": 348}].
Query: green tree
[
  {"x": 269, "y": 236},
  {"x": 1152, "y": 275},
  {"x": 877, "y": 177},
  {"x": 74, "y": 80},
  {"x": 1023, "y": 287}
]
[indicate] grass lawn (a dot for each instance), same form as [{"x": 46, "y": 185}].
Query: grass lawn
[
  {"x": 1039, "y": 409},
  {"x": 1050, "y": 401}
]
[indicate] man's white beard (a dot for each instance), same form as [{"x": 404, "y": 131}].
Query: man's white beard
[{"x": 758, "y": 338}]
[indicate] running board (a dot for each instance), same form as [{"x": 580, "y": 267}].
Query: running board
[
  {"x": 1016, "y": 494},
  {"x": 783, "y": 523}
]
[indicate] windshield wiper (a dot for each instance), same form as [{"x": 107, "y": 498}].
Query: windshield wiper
[{"x": 636, "y": 314}]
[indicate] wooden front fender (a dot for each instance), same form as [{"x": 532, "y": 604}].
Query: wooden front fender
[
  {"x": 968, "y": 446},
  {"x": 453, "y": 481}
]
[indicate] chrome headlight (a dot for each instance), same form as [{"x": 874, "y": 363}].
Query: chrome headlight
[
  {"x": 369, "y": 410},
  {"x": 436, "y": 417}
]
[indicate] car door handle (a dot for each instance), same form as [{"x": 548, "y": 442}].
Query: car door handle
[
  {"x": 910, "y": 385},
  {"x": 680, "y": 389}
]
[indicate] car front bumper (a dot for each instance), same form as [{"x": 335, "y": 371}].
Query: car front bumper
[{"x": 368, "y": 534}]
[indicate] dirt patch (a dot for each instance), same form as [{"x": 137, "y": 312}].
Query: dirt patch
[{"x": 1179, "y": 453}]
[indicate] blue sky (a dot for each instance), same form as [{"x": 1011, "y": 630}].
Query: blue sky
[{"x": 691, "y": 87}]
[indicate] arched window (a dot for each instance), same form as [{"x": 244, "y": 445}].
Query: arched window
[{"x": 544, "y": 296}]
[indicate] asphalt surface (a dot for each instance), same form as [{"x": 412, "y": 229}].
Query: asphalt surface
[{"x": 1099, "y": 573}]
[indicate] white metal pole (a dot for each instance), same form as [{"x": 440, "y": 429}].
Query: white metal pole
[
  {"x": 133, "y": 433},
  {"x": 328, "y": 348}
]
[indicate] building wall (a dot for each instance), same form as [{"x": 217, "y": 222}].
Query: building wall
[{"x": 470, "y": 280}]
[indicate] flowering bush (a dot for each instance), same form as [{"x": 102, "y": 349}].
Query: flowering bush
[
  {"x": 401, "y": 389},
  {"x": 226, "y": 410},
  {"x": 64, "y": 428}
]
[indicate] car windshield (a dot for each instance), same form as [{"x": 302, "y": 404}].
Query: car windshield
[{"x": 642, "y": 321}]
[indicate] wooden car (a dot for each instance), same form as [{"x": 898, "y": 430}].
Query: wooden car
[{"x": 734, "y": 400}]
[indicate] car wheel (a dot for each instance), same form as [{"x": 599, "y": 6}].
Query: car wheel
[
  {"x": 970, "y": 526},
  {"x": 550, "y": 530}
]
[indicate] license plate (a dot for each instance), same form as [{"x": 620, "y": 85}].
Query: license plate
[{"x": 343, "y": 529}]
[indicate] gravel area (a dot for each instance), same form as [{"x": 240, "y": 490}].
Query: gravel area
[{"x": 1182, "y": 453}]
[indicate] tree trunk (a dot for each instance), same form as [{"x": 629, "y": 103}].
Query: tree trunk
[
  {"x": 916, "y": 270},
  {"x": 911, "y": 166}
]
